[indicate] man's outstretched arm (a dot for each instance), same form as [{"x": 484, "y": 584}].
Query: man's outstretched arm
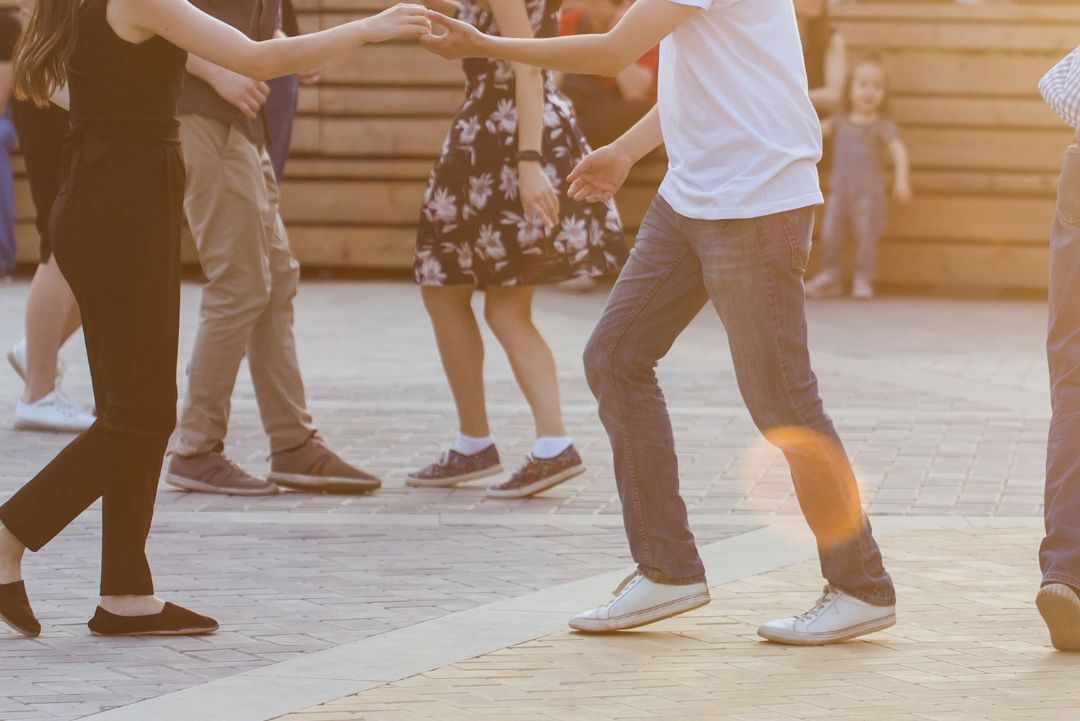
[
  {"x": 600, "y": 174},
  {"x": 645, "y": 24}
]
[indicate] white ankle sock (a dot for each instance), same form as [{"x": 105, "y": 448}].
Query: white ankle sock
[
  {"x": 471, "y": 445},
  {"x": 551, "y": 446}
]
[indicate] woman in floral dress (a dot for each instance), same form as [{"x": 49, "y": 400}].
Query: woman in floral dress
[{"x": 496, "y": 217}]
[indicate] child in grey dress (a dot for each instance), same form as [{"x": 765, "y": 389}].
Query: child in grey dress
[{"x": 857, "y": 203}]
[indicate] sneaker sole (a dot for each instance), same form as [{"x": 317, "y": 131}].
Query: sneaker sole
[
  {"x": 15, "y": 627},
  {"x": 847, "y": 634},
  {"x": 16, "y": 365},
  {"x": 46, "y": 428},
  {"x": 644, "y": 617},
  {"x": 193, "y": 486},
  {"x": 542, "y": 485},
  {"x": 326, "y": 485},
  {"x": 171, "y": 632},
  {"x": 447, "y": 482},
  {"x": 1060, "y": 608}
]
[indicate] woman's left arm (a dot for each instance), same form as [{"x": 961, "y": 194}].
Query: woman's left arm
[{"x": 537, "y": 194}]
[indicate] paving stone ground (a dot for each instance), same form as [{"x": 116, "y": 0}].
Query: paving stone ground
[
  {"x": 942, "y": 404},
  {"x": 967, "y": 647}
]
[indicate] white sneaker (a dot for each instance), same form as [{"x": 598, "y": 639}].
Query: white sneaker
[
  {"x": 862, "y": 290},
  {"x": 834, "y": 618},
  {"x": 53, "y": 412},
  {"x": 639, "y": 601},
  {"x": 17, "y": 358}
]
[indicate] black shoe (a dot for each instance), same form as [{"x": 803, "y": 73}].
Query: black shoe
[
  {"x": 15, "y": 610},
  {"x": 540, "y": 474},
  {"x": 453, "y": 468},
  {"x": 172, "y": 620}
]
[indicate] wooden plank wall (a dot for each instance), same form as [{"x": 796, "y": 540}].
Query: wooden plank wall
[{"x": 985, "y": 149}]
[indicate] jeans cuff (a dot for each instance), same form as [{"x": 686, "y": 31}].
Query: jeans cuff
[
  {"x": 872, "y": 597},
  {"x": 1052, "y": 577},
  {"x": 659, "y": 577}
]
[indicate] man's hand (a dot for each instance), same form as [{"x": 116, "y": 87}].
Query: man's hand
[
  {"x": 599, "y": 175},
  {"x": 456, "y": 39},
  {"x": 246, "y": 94}
]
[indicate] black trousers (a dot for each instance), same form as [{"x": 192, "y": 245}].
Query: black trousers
[
  {"x": 41, "y": 139},
  {"x": 116, "y": 235}
]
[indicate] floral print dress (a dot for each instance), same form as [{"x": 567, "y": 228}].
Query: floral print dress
[{"x": 473, "y": 229}]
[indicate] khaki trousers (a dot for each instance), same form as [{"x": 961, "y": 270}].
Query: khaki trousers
[{"x": 231, "y": 202}]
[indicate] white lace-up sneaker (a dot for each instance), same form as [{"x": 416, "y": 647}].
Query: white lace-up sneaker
[
  {"x": 639, "y": 601},
  {"x": 54, "y": 412},
  {"x": 834, "y": 618}
]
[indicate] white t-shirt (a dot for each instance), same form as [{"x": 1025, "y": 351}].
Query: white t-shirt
[{"x": 742, "y": 136}]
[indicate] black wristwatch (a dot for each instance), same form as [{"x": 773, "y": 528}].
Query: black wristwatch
[{"x": 529, "y": 156}]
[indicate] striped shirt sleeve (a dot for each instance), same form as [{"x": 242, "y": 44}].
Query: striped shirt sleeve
[{"x": 1061, "y": 88}]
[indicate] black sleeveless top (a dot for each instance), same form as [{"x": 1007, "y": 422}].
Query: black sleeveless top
[{"x": 121, "y": 89}]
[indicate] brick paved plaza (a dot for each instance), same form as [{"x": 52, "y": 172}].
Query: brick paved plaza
[{"x": 442, "y": 604}]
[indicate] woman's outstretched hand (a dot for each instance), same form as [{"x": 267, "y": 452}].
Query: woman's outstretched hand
[
  {"x": 400, "y": 21},
  {"x": 599, "y": 175},
  {"x": 455, "y": 39}
]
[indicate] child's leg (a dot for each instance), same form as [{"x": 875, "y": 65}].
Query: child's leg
[{"x": 868, "y": 227}]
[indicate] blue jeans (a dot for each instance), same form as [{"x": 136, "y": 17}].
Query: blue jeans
[
  {"x": 752, "y": 272},
  {"x": 1060, "y": 552},
  {"x": 7, "y": 195}
]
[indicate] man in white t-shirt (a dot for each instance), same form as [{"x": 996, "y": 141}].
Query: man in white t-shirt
[{"x": 731, "y": 225}]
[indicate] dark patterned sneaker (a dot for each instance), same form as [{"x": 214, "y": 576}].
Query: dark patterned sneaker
[
  {"x": 15, "y": 609},
  {"x": 540, "y": 474},
  {"x": 214, "y": 473},
  {"x": 172, "y": 620},
  {"x": 316, "y": 469},
  {"x": 453, "y": 468}
]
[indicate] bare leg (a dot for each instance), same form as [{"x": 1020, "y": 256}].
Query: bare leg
[
  {"x": 11, "y": 553},
  {"x": 462, "y": 351},
  {"x": 509, "y": 314},
  {"x": 52, "y": 316},
  {"x": 132, "y": 605}
]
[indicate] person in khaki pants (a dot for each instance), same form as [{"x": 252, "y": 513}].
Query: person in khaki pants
[{"x": 231, "y": 203}]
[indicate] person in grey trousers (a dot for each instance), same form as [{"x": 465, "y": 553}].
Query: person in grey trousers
[{"x": 1059, "y": 597}]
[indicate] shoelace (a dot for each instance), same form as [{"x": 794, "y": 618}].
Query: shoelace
[
  {"x": 623, "y": 588},
  {"x": 232, "y": 465},
  {"x": 827, "y": 594}
]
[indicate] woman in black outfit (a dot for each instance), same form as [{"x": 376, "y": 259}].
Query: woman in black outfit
[{"x": 115, "y": 227}]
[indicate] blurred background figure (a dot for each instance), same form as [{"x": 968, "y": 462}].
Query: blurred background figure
[
  {"x": 825, "y": 53},
  {"x": 856, "y": 207},
  {"x": 608, "y": 107},
  {"x": 10, "y": 28},
  {"x": 52, "y": 316}
]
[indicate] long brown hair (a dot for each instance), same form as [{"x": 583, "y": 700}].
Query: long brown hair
[{"x": 43, "y": 51}]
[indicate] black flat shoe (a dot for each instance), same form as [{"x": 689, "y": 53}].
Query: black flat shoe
[
  {"x": 15, "y": 610},
  {"x": 172, "y": 620}
]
